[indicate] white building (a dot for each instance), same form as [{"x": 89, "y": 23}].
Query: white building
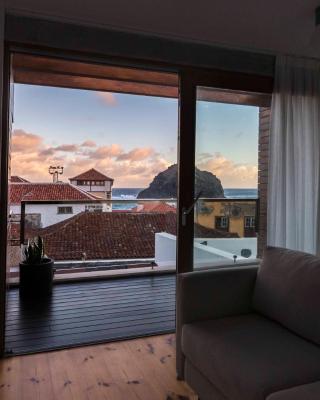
[
  {"x": 94, "y": 182},
  {"x": 50, "y": 202}
]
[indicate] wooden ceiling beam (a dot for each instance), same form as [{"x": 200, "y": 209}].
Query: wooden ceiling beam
[
  {"x": 96, "y": 84},
  {"x": 48, "y": 64}
]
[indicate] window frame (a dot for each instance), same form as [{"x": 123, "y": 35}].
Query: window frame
[{"x": 59, "y": 208}]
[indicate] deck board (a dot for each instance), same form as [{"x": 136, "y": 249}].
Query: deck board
[{"x": 91, "y": 312}]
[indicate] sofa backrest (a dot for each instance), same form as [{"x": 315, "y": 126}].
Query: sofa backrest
[{"x": 287, "y": 290}]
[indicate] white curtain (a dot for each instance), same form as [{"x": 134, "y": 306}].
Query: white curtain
[{"x": 293, "y": 192}]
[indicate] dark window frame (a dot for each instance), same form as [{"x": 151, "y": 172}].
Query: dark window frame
[
  {"x": 219, "y": 226},
  {"x": 63, "y": 210}
]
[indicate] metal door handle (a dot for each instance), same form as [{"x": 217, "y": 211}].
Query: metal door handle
[{"x": 187, "y": 211}]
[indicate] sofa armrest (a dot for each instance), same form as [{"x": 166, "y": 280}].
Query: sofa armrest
[
  {"x": 204, "y": 295},
  {"x": 216, "y": 293},
  {"x": 309, "y": 391}
]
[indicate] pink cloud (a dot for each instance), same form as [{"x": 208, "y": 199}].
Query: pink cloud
[
  {"x": 137, "y": 154},
  {"x": 114, "y": 150},
  {"x": 47, "y": 152},
  {"x": 67, "y": 147},
  {"x": 107, "y": 98},
  {"x": 230, "y": 173},
  {"x": 88, "y": 143},
  {"x": 25, "y": 141},
  {"x": 134, "y": 168}
]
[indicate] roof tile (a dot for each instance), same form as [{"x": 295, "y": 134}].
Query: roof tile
[
  {"x": 91, "y": 175},
  {"x": 112, "y": 235},
  {"x": 46, "y": 191}
]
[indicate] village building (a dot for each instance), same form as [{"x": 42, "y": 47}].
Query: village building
[
  {"x": 47, "y": 203},
  {"x": 94, "y": 182}
]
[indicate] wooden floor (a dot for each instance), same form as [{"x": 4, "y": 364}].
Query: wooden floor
[
  {"x": 91, "y": 312},
  {"x": 141, "y": 369}
]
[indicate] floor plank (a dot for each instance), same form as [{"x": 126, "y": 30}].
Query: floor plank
[
  {"x": 140, "y": 369},
  {"x": 91, "y": 312}
]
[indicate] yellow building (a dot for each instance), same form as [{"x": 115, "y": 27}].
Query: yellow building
[{"x": 230, "y": 216}]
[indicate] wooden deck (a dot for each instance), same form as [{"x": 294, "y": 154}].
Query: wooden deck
[
  {"x": 91, "y": 312},
  {"x": 141, "y": 369}
]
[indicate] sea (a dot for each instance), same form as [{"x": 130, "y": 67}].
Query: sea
[{"x": 130, "y": 194}]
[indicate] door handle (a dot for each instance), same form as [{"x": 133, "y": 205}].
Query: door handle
[{"x": 187, "y": 211}]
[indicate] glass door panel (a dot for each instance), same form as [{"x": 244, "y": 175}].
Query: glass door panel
[{"x": 226, "y": 178}]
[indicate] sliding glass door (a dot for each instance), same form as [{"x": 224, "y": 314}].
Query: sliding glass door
[
  {"x": 226, "y": 179},
  {"x": 218, "y": 202}
]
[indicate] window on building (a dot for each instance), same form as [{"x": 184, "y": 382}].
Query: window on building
[
  {"x": 249, "y": 222},
  {"x": 222, "y": 223},
  {"x": 249, "y": 226},
  {"x": 94, "y": 208},
  {"x": 65, "y": 210}
]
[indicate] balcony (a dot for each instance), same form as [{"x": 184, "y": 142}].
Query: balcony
[
  {"x": 115, "y": 237},
  {"x": 131, "y": 241}
]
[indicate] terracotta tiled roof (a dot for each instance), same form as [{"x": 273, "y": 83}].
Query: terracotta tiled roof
[
  {"x": 46, "y": 191},
  {"x": 201, "y": 231},
  {"x": 91, "y": 175},
  {"x": 112, "y": 235},
  {"x": 106, "y": 235},
  {"x": 18, "y": 179},
  {"x": 154, "y": 206}
]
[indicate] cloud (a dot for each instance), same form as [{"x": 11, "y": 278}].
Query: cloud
[
  {"x": 31, "y": 158},
  {"x": 203, "y": 156},
  {"x": 231, "y": 174},
  {"x": 25, "y": 141},
  {"x": 133, "y": 168},
  {"x": 47, "y": 152},
  {"x": 67, "y": 147},
  {"x": 88, "y": 143},
  {"x": 113, "y": 150},
  {"x": 137, "y": 154},
  {"x": 107, "y": 98}
]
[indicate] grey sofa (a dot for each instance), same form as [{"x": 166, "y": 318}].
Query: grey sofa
[{"x": 245, "y": 333}]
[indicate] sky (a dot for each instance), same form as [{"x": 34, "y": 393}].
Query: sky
[{"x": 127, "y": 137}]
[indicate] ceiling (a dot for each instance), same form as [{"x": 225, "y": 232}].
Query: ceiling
[{"x": 276, "y": 26}]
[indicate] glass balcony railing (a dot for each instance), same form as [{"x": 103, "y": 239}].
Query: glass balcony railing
[{"x": 97, "y": 235}]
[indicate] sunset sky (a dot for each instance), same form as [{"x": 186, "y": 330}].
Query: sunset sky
[{"x": 129, "y": 138}]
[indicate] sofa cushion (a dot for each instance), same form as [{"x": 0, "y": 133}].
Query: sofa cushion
[
  {"x": 288, "y": 290},
  {"x": 249, "y": 357},
  {"x": 310, "y": 391}
]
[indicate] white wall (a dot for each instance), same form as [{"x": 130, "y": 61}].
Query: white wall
[
  {"x": 106, "y": 188},
  {"x": 219, "y": 251},
  {"x": 233, "y": 246},
  {"x": 165, "y": 249},
  {"x": 49, "y": 212}
]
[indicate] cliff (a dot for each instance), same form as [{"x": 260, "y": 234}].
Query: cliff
[{"x": 164, "y": 185}]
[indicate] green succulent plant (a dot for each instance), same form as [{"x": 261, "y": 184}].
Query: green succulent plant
[{"x": 34, "y": 251}]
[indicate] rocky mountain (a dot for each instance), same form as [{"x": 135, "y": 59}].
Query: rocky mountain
[{"x": 164, "y": 185}]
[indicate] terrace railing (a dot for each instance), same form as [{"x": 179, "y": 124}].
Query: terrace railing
[{"x": 218, "y": 226}]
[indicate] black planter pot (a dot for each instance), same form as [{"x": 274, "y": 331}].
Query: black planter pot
[{"x": 36, "y": 279}]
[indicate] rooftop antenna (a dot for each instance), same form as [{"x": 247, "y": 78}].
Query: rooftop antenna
[{"x": 55, "y": 171}]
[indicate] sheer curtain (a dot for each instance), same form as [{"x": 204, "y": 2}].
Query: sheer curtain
[{"x": 293, "y": 192}]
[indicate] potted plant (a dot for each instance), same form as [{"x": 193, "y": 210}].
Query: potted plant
[{"x": 36, "y": 270}]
